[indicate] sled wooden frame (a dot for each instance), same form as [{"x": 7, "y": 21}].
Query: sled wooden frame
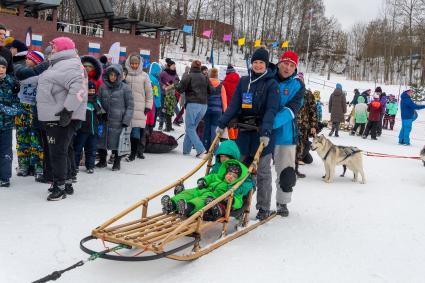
[{"x": 153, "y": 233}]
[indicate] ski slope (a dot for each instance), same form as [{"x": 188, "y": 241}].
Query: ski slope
[{"x": 339, "y": 232}]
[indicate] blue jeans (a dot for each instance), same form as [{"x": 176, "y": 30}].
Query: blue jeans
[
  {"x": 211, "y": 123},
  {"x": 193, "y": 115},
  {"x": 406, "y": 128},
  {"x": 6, "y": 155},
  {"x": 89, "y": 143}
]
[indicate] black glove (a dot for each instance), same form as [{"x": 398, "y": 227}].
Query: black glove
[
  {"x": 65, "y": 117},
  {"x": 147, "y": 110},
  {"x": 202, "y": 184},
  {"x": 124, "y": 125}
]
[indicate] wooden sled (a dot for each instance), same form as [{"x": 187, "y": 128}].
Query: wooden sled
[{"x": 155, "y": 236}]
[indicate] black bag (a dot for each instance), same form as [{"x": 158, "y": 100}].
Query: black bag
[{"x": 158, "y": 142}]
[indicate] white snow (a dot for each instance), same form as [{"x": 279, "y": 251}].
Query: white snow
[{"x": 339, "y": 232}]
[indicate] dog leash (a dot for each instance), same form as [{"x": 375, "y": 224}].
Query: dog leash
[{"x": 377, "y": 154}]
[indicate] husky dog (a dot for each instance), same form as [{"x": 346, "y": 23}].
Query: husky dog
[
  {"x": 423, "y": 155},
  {"x": 333, "y": 155}
]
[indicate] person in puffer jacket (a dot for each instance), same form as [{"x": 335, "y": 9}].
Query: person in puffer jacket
[
  {"x": 9, "y": 101},
  {"x": 88, "y": 133},
  {"x": 28, "y": 133},
  {"x": 391, "y": 112},
  {"x": 154, "y": 71},
  {"x": 408, "y": 115},
  {"x": 61, "y": 106},
  {"x": 217, "y": 104},
  {"x": 117, "y": 100},
  {"x": 360, "y": 116}
]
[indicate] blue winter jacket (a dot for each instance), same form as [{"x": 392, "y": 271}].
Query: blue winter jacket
[
  {"x": 156, "y": 88},
  {"x": 291, "y": 100},
  {"x": 265, "y": 105},
  {"x": 408, "y": 107}
]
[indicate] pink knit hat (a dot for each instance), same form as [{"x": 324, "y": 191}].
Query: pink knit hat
[{"x": 63, "y": 43}]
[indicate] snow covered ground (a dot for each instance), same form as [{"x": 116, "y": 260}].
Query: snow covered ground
[{"x": 340, "y": 232}]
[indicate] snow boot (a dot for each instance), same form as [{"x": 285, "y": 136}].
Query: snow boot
[
  {"x": 282, "y": 210},
  {"x": 134, "y": 146},
  {"x": 102, "y": 159},
  {"x": 69, "y": 190},
  {"x": 111, "y": 159},
  {"x": 168, "y": 127},
  {"x": 183, "y": 208},
  {"x": 58, "y": 193},
  {"x": 214, "y": 212},
  {"x": 263, "y": 214},
  {"x": 117, "y": 164},
  {"x": 178, "y": 189},
  {"x": 4, "y": 184},
  {"x": 167, "y": 204},
  {"x": 23, "y": 172}
]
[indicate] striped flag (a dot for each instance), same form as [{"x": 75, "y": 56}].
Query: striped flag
[
  {"x": 123, "y": 54},
  {"x": 94, "y": 49},
  {"x": 36, "y": 42}
]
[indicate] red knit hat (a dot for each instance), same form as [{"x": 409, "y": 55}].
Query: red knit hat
[
  {"x": 35, "y": 56},
  {"x": 63, "y": 43},
  {"x": 289, "y": 56}
]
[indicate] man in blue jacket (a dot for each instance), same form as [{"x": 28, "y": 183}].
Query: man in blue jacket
[
  {"x": 291, "y": 92},
  {"x": 255, "y": 104},
  {"x": 408, "y": 115}
]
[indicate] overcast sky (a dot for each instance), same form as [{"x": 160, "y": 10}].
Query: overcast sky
[{"x": 349, "y": 12}]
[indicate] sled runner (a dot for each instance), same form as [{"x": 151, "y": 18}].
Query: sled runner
[{"x": 153, "y": 236}]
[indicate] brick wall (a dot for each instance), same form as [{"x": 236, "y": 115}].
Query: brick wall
[{"x": 19, "y": 25}]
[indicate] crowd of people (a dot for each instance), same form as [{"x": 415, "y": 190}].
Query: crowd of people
[{"x": 62, "y": 104}]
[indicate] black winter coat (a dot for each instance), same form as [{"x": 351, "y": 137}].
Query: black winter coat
[{"x": 196, "y": 87}]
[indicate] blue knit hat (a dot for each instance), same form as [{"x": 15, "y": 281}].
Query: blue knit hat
[{"x": 338, "y": 86}]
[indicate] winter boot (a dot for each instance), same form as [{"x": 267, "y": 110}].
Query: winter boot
[
  {"x": 336, "y": 132},
  {"x": 58, "y": 193},
  {"x": 102, "y": 159},
  {"x": 167, "y": 204},
  {"x": 183, "y": 208},
  {"x": 282, "y": 210},
  {"x": 69, "y": 190},
  {"x": 117, "y": 164},
  {"x": 134, "y": 145},
  {"x": 4, "y": 184},
  {"x": 111, "y": 159},
  {"x": 23, "y": 172},
  {"x": 263, "y": 214},
  {"x": 214, "y": 212},
  {"x": 331, "y": 132},
  {"x": 178, "y": 189},
  {"x": 168, "y": 127}
]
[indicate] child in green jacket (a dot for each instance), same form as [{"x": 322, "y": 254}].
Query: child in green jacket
[
  {"x": 389, "y": 117},
  {"x": 208, "y": 188}
]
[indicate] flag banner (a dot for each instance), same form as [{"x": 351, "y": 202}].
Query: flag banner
[
  {"x": 207, "y": 33},
  {"x": 123, "y": 54},
  {"x": 285, "y": 44},
  {"x": 257, "y": 42},
  {"x": 94, "y": 49},
  {"x": 187, "y": 28},
  {"x": 114, "y": 51},
  {"x": 36, "y": 42},
  {"x": 275, "y": 44},
  {"x": 241, "y": 41},
  {"x": 227, "y": 37},
  {"x": 146, "y": 56}
]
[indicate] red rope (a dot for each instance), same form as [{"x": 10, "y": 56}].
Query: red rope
[{"x": 377, "y": 154}]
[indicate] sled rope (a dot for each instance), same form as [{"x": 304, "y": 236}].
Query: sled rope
[
  {"x": 58, "y": 273},
  {"x": 377, "y": 154}
]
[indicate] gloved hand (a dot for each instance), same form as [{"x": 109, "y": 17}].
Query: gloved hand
[
  {"x": 265, "y": 140},
  {"x": 124, "y": 125},
  {"x": 219, "y": 131},
  {"x": 65, "y": 117},
  {"x": 202, "y": 184},
  {"x": 147, "y": 110}
]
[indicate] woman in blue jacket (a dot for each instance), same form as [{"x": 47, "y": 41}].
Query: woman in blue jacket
[{"x": 408, "y": 115}]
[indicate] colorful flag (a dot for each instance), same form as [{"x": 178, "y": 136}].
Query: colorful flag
[
  {"x": 36, "y": 42},
  {"x": 123, "y": 54},
  {"x": 114, "y": 51},
  {"x": 257, "y": 43},
  {"x": 275, "y": 44},
  {"x": 207, "y": 33},
  {"x": 285, "y": 44},
  {"x": 28, "y": 37},
  {"x": 241, "y": 41},
  {"x": 227, "y": 37},
  {"x": 94, "y": 49},
  {"x": 187, "y": 29},
  {"x": 146, "y": 55}
]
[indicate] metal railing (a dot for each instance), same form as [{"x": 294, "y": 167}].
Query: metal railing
[{"x": 96, "y": 31}]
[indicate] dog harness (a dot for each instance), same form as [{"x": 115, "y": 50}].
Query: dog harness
[{"x": 349, "y": 151}]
